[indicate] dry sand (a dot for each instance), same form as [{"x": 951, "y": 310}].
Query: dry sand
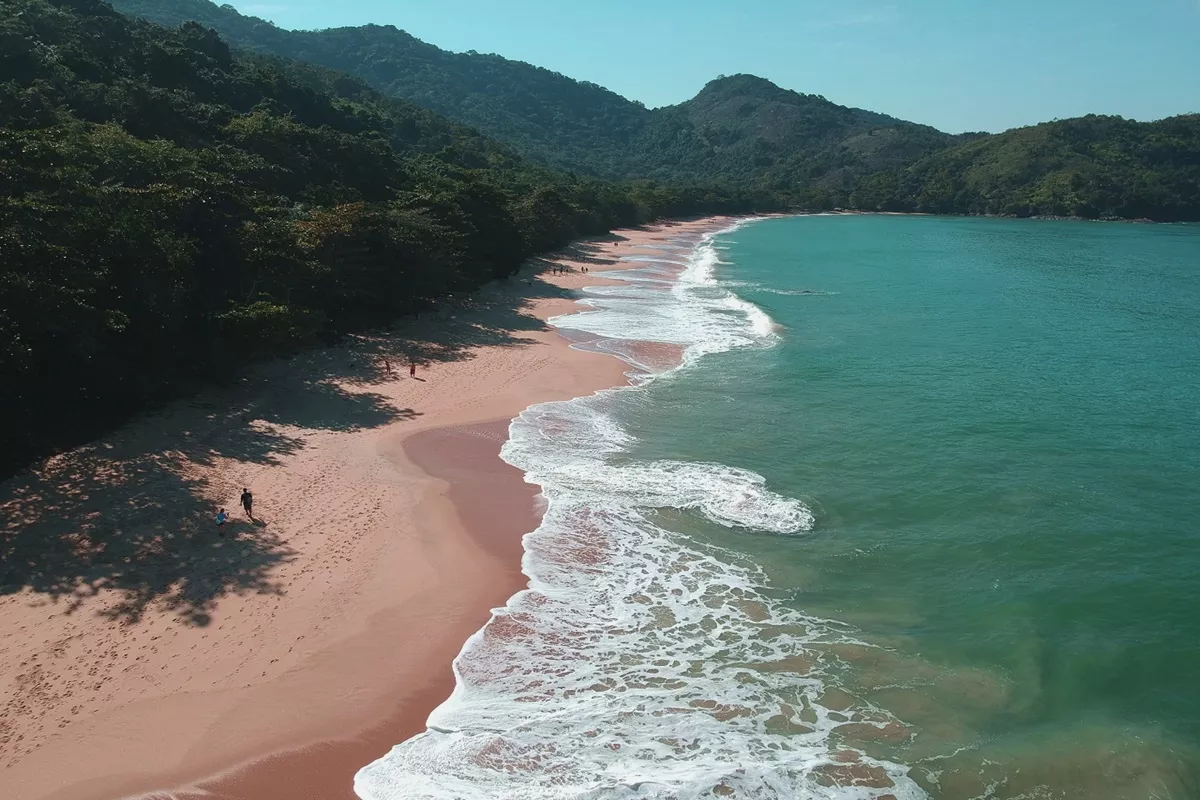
[{"x": 143, "y": 654}]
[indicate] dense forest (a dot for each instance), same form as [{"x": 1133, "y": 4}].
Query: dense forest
[
  {"x": 1093, "y": 167},
  {"x": 541, "y": 114},
  {"x": 171, "y": 210},
  {"x": 744, "y": 131}
]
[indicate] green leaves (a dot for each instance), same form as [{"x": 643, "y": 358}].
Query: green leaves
[
  {"x": 171, "y": 210},
  {"x": 261, "y": 328},
  {"x": 1092, "y": 167}
]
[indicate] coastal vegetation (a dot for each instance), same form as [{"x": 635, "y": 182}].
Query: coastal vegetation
[
  {"x": 740, "y": 129},
  {"x": 177, "y": 202},
  {"x": 746, "y": 132},
  {"x": 171, "y": 210},
  {"x": 1094, "y": 167}
]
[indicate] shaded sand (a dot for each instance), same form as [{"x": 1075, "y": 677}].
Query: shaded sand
[{"x": 141, "y": 652}]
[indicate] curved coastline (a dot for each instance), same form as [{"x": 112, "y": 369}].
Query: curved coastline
[
  {"x": 279, "y": 693},
  {"x": 586, "y": 682}
]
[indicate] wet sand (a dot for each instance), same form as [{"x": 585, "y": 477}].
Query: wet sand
[{"x": 142, "y": 653}]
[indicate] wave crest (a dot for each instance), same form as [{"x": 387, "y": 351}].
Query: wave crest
[{"x": 640, "y": 664}]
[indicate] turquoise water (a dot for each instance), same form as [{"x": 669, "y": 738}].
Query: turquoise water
[
  {"x": 915, "y": 518},
  {"x": 997, "y": 425}
]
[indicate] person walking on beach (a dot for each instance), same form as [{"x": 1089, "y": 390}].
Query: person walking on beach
[
  {"x": 412, "y": 369},
  {"x": 222, "y": 518},
  {"x": 248, "y": 503}
]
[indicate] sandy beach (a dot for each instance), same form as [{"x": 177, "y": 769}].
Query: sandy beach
[{"x": 144, "y": 654}]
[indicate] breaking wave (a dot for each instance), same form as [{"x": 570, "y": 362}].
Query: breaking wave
[{"x": 640, "y": 663}]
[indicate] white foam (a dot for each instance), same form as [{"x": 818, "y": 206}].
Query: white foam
[
  {"x": 632, "y": 666},
  {"x": 697, "y": 313},
  {"x": 649, "y": 246},
  {"x": 653, "y": 260}
]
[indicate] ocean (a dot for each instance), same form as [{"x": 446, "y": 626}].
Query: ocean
[{"x": 915, "y": 518}]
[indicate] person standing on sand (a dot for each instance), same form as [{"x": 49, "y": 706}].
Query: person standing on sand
[
  {"x": 222, "y": 518},
  {"x": 412, "y": 369},
  {"x": 248, "y": 503}
]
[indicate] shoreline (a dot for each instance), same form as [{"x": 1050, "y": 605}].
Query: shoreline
[
  {"x": 320, "y": 769},
  {"x": 363, "y": 591}
]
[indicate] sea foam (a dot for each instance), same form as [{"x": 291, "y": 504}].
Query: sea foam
[{"x": 639, "y": 663}]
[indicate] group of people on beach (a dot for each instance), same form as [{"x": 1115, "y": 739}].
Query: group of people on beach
[
  {"x": 247, "y": 501},
  {"x": 412, "y": 367}
]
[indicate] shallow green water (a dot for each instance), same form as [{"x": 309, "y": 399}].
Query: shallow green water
[{"x": 997, "y": 426}]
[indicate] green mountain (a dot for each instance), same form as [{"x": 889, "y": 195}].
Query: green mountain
[
  {"x": 1091, "y": 167},
  {"x": 170, "y": 209},
  {"x": 748, "y": 131},
  {"x": 741, "y": 129},
  {"x": 745, "y": 131},
  {"x": 541, "y": 114}
]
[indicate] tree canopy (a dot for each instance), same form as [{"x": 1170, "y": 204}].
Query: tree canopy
[
  {"x": 741, "y": 129},
  {"x": 746, "y": 132},
  {"x": 174, "y": 207},
  {"x": 171, "y": 209},
  {"x": 1093, "y": 167}
]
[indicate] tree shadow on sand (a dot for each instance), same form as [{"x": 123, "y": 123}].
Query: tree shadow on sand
[
  {"x": 106, "y": 517},
  {"x": 499, "y": 314},
  {"x": 592, "y": 253},
  {"x": 132, "y": 516}
]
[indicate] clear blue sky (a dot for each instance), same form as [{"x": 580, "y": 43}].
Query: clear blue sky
[{"x": 955, "y": 64}]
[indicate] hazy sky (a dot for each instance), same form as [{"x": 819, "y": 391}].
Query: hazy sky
[{"x": 955, "y": 64}]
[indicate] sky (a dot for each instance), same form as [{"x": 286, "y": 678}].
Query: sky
[{"x": 961, "y": 65}]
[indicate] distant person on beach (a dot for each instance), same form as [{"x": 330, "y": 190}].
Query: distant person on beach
[
  {"x": 222, "y": 518},
  {"x": 248, "y": 503},
  {"x": 412, "y": 369},
  {"x": 387, "y": 366}
]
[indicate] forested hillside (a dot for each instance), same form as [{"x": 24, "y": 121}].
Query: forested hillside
[
  {"x": 743, "y": 130},
  {"x": 1091, "y": 167},
  {"x": 543, "y": 115},
  {"x": 747, "y": 132},
  {"x": 750, "y": 132},
  {"x": 170, "y": 210}
]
